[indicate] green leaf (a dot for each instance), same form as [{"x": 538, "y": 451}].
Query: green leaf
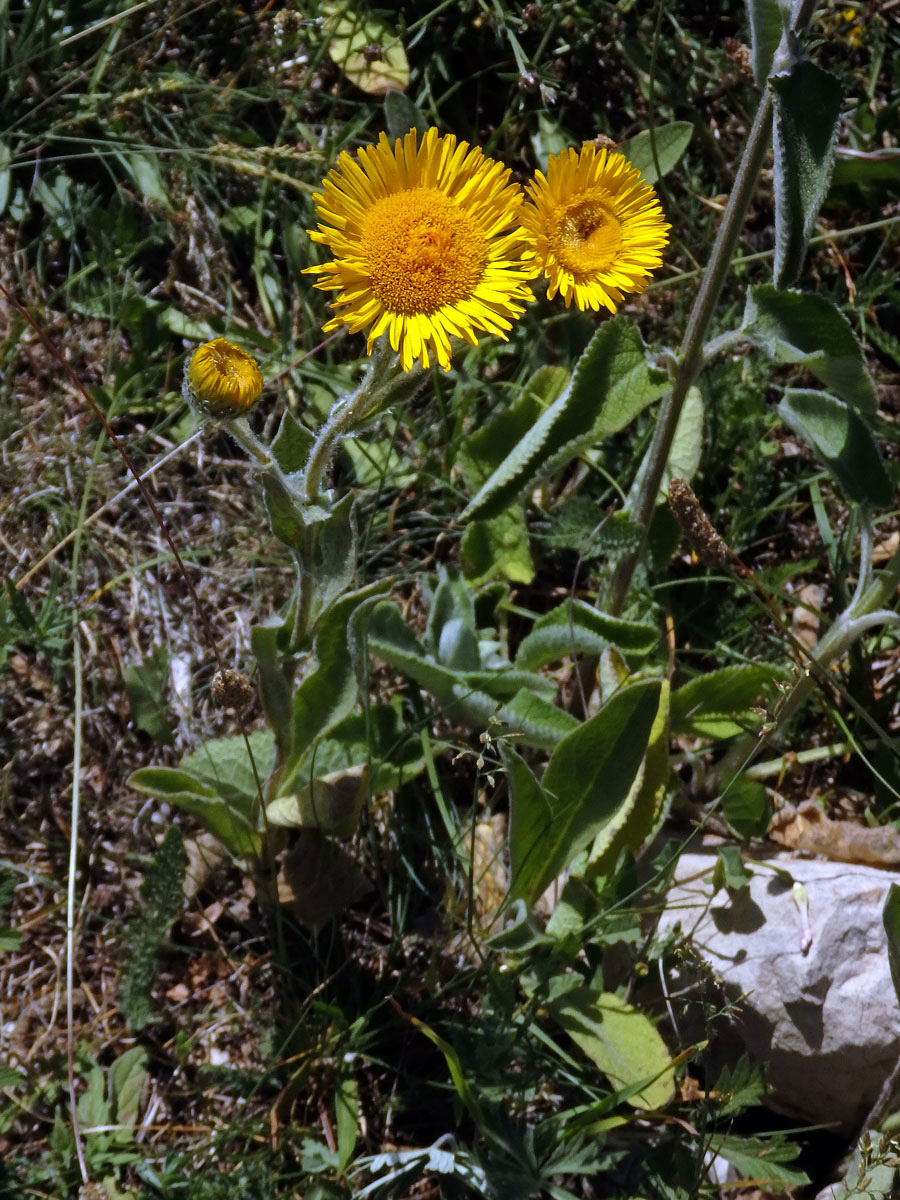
[
  {"x": 231, "y": 827},
  {"x": 808, "y": 330},
  {"x": 332, "y": 565},
  {"x": 719, "y": 703},
  {"x": 761, "y": 1161},
  {"x": 843, "y": 443},
  {"x": 623, "y": 1043},
  {"x": 346, "y": 1109},
  {"x": 147, "y": 685},
  {"x": 807, "y": 107},
  {"x": 352, "y": 34},
  {"x": 161, "y": 898},
  {"x": 328, "y": 692},
  {"x": 5, "y": 176},
  {"x": 575, "y": 627},
  {"x": 497, "y": 547},
  {"x": 747, "y": 808},
  {"x": 10, "y": 1077},
  {"x": 768, "y": 21},
  {"x": 329, "y": 803},
  {"x": 168, "y": 783},
  {"x": 291, "y": 444},
  {"x": 92, "y": 1106},
  {"x": 644, "y": 808},
  {"x": 729, "y": 871},
  {"x": 450, "y": 635},
  {"x": 276, "y": 674},
  {"x": 10, "y": 939},
  {"x": 228, "y": 770},
  {"x": 740, "y": 1087},
  {"x": 401, "y": 115},
  {"x": 656, "y": 151},
  {"x": 127, "y": 1080},
  {"x": 590, "y": 775},
  {"x": 500, "y": 546},
  {"x": 866, "y": 168},
  {"x": 144, "y": 172},
  {"x": 612, "y": 382},
  {"x": 684, "y": 457},
  {"x": 530, "y": 818},
  {"x": 529, "y": 716},
  {"x": 377, "y": 737},
  {"x": 891, "y": 918}
]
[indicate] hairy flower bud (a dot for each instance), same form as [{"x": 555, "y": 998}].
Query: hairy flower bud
[{"x": 221, "y": 380}]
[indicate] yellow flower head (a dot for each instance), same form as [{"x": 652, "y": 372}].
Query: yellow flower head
[
  {"x": 222, "y": 380},
  {"x": 424, "y": 243},
  {"x": 596, "y": 229}
]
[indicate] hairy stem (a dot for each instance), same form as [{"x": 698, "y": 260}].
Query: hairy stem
[{"x": 691, "y": 357}]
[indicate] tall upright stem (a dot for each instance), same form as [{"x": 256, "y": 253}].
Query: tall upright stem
[{"x": 691, "y": 357}]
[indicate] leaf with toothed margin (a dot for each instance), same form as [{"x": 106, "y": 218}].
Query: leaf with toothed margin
[
  {"x": 612, "y": 383},
  {"x": 810, "y": 331},
  {"x": 807, "y": 107}
]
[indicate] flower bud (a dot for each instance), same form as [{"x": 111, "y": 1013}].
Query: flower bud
[{"x": 221, "y": 380}]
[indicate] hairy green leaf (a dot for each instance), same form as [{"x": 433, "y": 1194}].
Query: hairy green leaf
[
  {"x": 644, "y": 808},
  {"x": 611, "y": 384},
  {"x": 768, "y": 20},
  {"x": 719, "y": 703},
  {"x": 291, "y": 444},
  {"x": 147, "y": 686},
  {"x": 842, "y": 441},
  {"x": 807, "y": 107},
  {"x": 624, "y": 1044},
  {"x": 575, "y": 627},
  {"x": 808, "y": 330},
  {"x": 161, "y": 897},
  {"x": 328, "y": 692},
  {"x": 589, "y": 777}
]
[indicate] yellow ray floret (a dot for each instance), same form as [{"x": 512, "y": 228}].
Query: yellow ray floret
[
  {"x": 222, "y": 380},
  {"x": 596, "y": 228},
  {"x": 425, "y": 245}
]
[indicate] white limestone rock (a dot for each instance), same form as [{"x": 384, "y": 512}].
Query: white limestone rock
[{"x": 825, "y": 1021}]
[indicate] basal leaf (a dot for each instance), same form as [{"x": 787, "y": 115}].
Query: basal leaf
[
  {"x": 575, "y": 627},
  {"x": 590, "y": 775},
  {"x": 807, "y": 107},
  {"x": 329, "y": 803},
  {"x": 624, "y": 1044},
  {"x": 127, "y": 1081},
  {"x": 530, "y": 716},
  {"x": 720, "y": 703},
  {"x": 807, "y": 329},
  {"x": 842, "y": 442},
  {"x": 225, "y": 767},
  {"x": 644, "y": 809},
  {"x": 147, "y": 686}
]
